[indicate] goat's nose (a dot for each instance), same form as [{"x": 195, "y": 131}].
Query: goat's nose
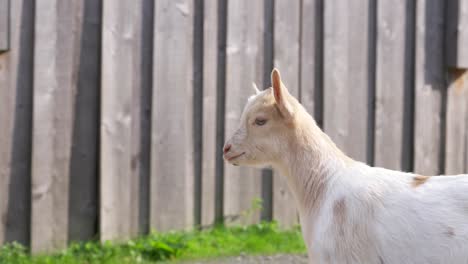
[{"x": 227, "y": 147}]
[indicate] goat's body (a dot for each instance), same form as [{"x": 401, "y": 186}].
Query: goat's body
[
  {"x": 374, "y": 215},
  {"x": 350, "y": 212}
]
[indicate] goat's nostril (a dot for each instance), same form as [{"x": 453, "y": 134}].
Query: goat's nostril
[{"x": 227, "y": 148}]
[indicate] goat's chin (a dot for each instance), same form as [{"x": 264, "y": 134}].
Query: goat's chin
[{"x": 250, "y": 163}]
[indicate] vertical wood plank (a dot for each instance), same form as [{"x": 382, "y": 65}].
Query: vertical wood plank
[
  {"x": 119, "y": 119},
  {"x": 429, "y": 85},
  {"x": 394, "y": 84},
  {"x": 4, "y": 25},
  {"x": 347, "y": 85},
  {"x": 287, "y": 60},
  {"x": 457, "y": 117},
  {"x": 243, "y": 66},
  {"x": 457, "y": 34},
  {"x": 172, "y": 167},
  {"x": 15, "y": 126},
  {"x": 210, "y": 73},
  {"x": 83, "y": 203},
  {"x": 54, "y": 88},
  {"x": 311, "y": 56}
]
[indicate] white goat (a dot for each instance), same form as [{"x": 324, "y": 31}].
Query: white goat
[{"x": 351, "y": 212}]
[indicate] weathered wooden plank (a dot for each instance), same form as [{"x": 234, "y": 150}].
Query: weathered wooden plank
[
  {"x": 121, "y": 60},
  {"x": 287, "y": 60},
  {"x": 312, "y": 58},
  {"x": 210, "y": 73},
  {"x": 4, "y": 25},
  {"x": 429, "y": 85},
  {"x": 456, "y": 116},
  {"x": 83, "y": 210},
  {"x": 54, "y": 89},
  {"x": 394, "y": 84},
  {"x": 457, "y": 34},
  {"x": 15, "y": 126},
  {"x": 242, "y": 186},
  {"x": 172, "y": 167},
  {"x": 347, "y": 86}
]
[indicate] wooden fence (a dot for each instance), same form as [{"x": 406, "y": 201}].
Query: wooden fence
[{"x": 113, "y": 113}]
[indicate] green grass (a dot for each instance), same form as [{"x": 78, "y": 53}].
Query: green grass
[{"x": 260, "y": 239}]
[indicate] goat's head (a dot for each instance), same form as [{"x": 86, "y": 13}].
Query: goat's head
[{"x": 266, "y": 125}]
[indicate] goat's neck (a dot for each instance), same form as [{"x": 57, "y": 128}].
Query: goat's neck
[{"x": 310, "y": 164}]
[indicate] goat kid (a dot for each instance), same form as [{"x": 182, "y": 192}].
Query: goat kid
[{"x": 350, "y": 212}]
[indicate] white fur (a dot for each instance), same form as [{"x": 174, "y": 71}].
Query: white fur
[
  {"x": 425, "y": 224},
  {"x": 351, "y": 212}
]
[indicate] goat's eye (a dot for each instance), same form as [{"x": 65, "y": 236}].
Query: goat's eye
[{"x": 260, "y": 121}]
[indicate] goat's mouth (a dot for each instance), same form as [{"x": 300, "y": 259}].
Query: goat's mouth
[{"x": 233, "y": 157}]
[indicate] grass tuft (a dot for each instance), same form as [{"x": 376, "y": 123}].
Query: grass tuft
[{"x": 220, "y": 241}]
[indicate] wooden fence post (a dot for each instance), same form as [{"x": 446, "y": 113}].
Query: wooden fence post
[
  {"x": 120, "y": 119},
  {"x": 348, "y": 76},
  {"x": 54, "y": 90},
  {"x": 457, "y": 117},
  {"x": 395, "y": 60},
  {"x": 430, "y": 84},
  {"x": 4, "y": 25},
  {"x": 16, "y": 81},
  {"x": 172, "y": 160},
  {"x": 210, "y": 82},
  {"x": 456, "y": 48}
]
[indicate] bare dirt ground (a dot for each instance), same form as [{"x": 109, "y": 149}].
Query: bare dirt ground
[{"x": 277, "y": 259}]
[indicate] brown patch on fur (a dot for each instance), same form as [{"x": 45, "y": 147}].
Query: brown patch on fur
[
  {"x": 339, "y": 214},
  {"x": 419, "y": 180},
  {"x": 450, "y": 232}
]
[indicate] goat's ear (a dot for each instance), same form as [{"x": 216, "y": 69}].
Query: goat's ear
[{"x": 281, "y": 94}]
